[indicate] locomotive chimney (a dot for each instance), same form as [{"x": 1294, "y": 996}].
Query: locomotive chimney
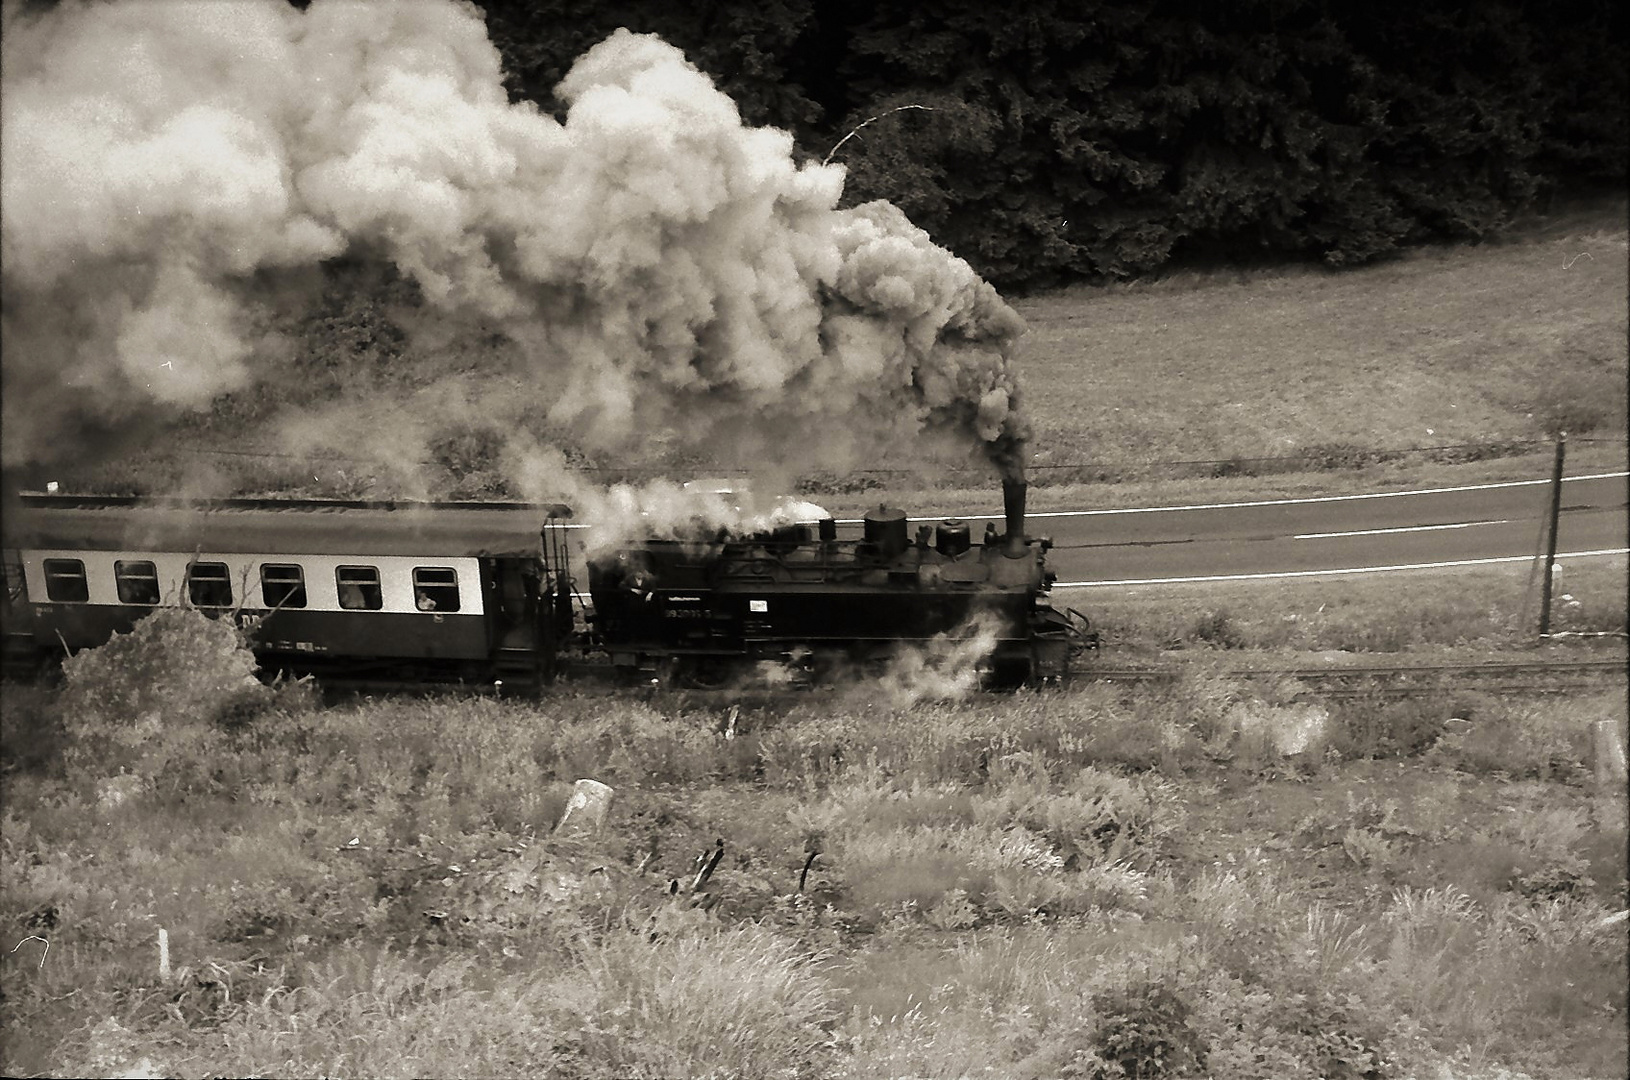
[{"x": 1013, "y": 492}]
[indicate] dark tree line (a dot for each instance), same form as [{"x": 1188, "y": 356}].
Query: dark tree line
[{"x": 1102, "y": 138}]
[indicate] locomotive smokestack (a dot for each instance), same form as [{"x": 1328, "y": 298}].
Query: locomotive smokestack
[{"x": 1013, "y": 493}]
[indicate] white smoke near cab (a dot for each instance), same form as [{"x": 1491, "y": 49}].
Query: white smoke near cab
[
  {"x": 666, "y": 510},
  {"x": 649, "y": 269}
]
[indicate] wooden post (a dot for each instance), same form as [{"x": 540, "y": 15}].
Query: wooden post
[
  {"x": 1550, "y": 539},
  {"x": 163, "y": 954}
]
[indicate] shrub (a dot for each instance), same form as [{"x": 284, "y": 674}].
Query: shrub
[
  {"x": 1098, "y": 817},
  {"x": 1374, "y": 727},
  {"x": 1290, "y": 1034},
  {"x": 1545, "y": 740},
  {"x": 1010, "y": 869},
  {"x": 1216, "y": 628},
  {"x": 422, "y": 1019},
  {"x": 1565, "y": 876},
  {"x": 150, "y": 702},
  {"x": 1142, "y": 1031}
]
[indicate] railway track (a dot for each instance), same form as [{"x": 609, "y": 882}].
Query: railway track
[
  {"x": 1530, "y": 676},
  {"x": 1373, "y": 680}
]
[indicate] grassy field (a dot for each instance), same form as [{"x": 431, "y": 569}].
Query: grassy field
[
  {"x": 1479, "y": 344},
  {"x": 1475, "y": 612},
  {"x": 1212, "y": 878}
]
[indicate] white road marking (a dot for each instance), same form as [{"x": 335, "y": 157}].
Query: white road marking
[
  {"x": 1323, "y": 573},
  {"x": 1404, "y": 529},
  {"x": 1270, "y": 502}
]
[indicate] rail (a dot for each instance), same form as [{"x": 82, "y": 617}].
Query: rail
[{"x": 1540, "y": 676}]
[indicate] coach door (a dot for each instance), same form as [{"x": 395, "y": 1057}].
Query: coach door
[{"x": 514, "y": 613}]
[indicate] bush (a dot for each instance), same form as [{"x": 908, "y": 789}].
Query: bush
[
  {"x": 1546, "y": 740},
  {"x": 1216, "y": 628},
  {"x": 738, "y": 1000},
  {"x": 1375, "y": 727},
  {"x": 150, "y": 702},
  {"x": 1143, "y": 1031},
  {"x": 691, "y": 1000}
]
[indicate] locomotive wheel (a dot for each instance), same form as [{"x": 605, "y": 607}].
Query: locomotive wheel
[
  {"x": 703, "y": 672},
  {"x": 1008, "y": 674}
]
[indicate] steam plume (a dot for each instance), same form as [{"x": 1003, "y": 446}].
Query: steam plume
[
  {"x": 945, "y": 668},
  {"x": 649, "y": 268}
]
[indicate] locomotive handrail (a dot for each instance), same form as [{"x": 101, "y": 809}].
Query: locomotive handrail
[{"x": 753, "y": 568}]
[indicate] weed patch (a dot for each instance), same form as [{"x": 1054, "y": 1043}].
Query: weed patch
[{"x": 1094, "y": 882}]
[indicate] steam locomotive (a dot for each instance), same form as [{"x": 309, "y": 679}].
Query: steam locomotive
[{"x": 483, "y": 593}]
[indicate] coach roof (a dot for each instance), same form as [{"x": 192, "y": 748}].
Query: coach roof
[{"x": 290, "y": 527}]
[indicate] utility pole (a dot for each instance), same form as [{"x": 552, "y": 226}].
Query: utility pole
[{"x": 1550, "y": 539}]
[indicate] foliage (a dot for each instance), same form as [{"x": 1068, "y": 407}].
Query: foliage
[
  {"x": 1216, "y": 628},
  {"x": 1106, "y": 139},
  {"x": 740, "y": 1000},
  {"x": 31, "y": 732},
  {"x": 995, "y": 886},
  {"x": 1530, "y": 741},
  {"x": 1144, "y": 1033},
  {"x": 150, "y": 702},
  {"x": 756, "y": 52}
]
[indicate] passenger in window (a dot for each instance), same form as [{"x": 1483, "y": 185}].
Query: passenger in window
[
  {"x": 351, "y": 596},
  {"x": 423, "y": 601}
]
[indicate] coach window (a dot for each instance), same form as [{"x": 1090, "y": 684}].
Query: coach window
[
  {"x": 137, "y": 580},
  {"x": 65, "y": 581},
  {"x": 209, "y": 584},
  {"x": 359, "y": 588},
  {"x": 435, "y": 588},
  {"x": 282, "y": 585}
]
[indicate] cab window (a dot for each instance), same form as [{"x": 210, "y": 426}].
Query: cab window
[
  {"x": 65, "y": 581},
  {"x": 359, "y": 588},
  {"x": 209, "y": 585},
  {"x": 435, "y": 588},
  {"x": 282, "y": 585},
  {"x": 137, "y": 581}
]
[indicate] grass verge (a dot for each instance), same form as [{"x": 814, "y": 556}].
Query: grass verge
[
  {"x": 1210, "y": 878},
  {"x": 1467, "y": 611}
]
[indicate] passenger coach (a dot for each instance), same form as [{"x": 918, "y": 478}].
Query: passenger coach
[{"x": 410, "y": 592}]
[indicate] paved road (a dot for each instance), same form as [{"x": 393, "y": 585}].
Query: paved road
[
  {"x": 1338, "y": 533},
  {"x": 1097, "y": 547}
]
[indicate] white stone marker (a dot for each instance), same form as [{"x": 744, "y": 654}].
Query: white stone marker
[{"x": 588, "y": 805}]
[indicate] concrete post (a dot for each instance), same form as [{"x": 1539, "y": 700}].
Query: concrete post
[
  {"x": 1607, "y": 752},
  {"x": 588, "y": 805}
]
